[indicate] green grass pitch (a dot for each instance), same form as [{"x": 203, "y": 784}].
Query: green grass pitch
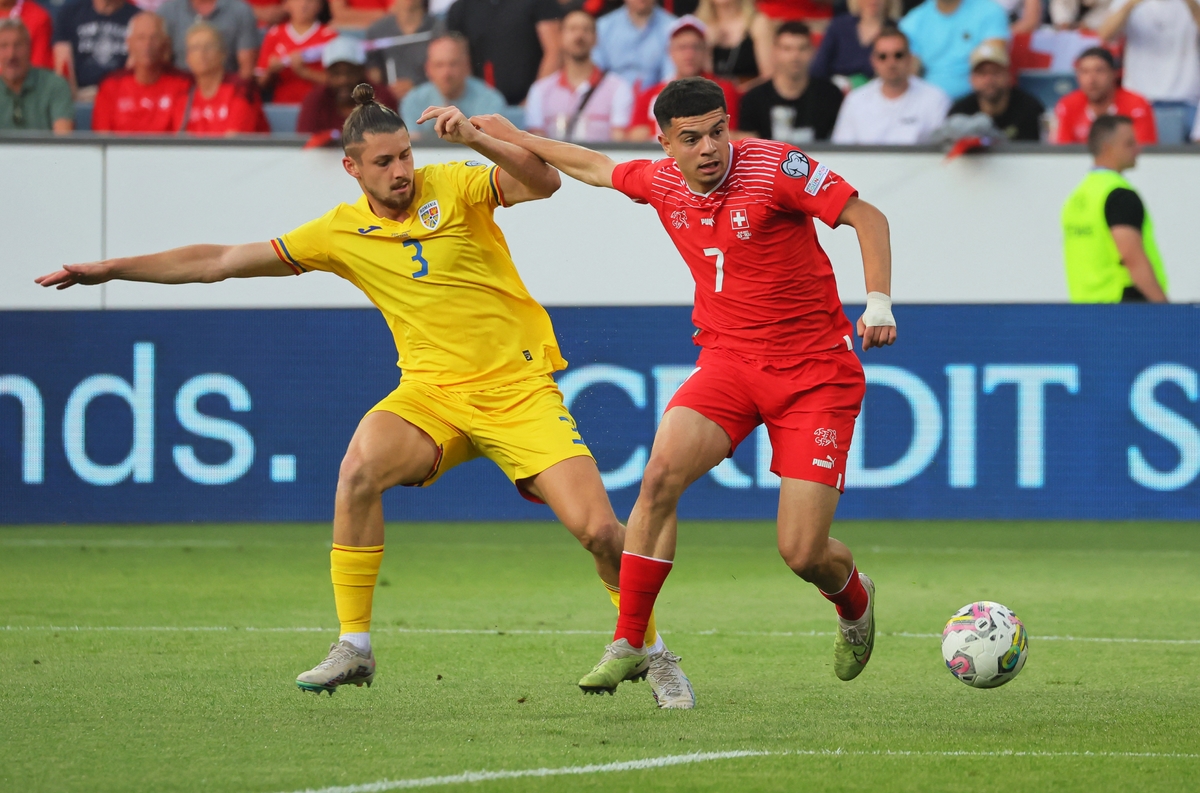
[{"x": 192, "y": 688}]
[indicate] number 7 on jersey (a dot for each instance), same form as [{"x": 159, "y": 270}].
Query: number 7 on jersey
[{"x": 720, "y": 265}]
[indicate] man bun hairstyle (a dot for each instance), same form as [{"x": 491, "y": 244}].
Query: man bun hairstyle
[
  {"x": 1102, "y": 132},
  {"x": 686, "y": 98},
  {"x": 368, "y": 118}
]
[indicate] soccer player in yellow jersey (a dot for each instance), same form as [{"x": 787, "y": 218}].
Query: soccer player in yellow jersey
[{"x": 476, "y": 352}]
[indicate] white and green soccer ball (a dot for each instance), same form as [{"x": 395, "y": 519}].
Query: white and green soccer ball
[{"x": 985, "y": 644}]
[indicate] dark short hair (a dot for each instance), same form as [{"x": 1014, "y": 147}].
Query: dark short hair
[
  {"x": 368, "y": 118},
  {"x": 1102, "y": 132},
  {"x": 1098, "y": 52},
  {"x": 688, "y": 97},
  {"x": 573, "y": 9},
  {"x": 892, "y": 32},
  {"x": 794, "y": 28}
]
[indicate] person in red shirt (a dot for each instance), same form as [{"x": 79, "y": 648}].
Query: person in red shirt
[
  {"x": 219, "y": 103},
  {"x": 40, "y": 26},
  {"x": 149, "y": 96},
  {"x": 1098, "y": 95},
  {"x": 356, "y": 13},
  {"x": 690, "y": 52},
  {"x": 281, "y": 66},
  {"x": 776, "y": 348}
]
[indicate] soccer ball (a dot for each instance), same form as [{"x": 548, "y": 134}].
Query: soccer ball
[{"x": 985, "y": 645}]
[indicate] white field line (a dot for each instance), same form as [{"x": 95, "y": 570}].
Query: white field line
[
  {"x": 520, "y": 632},
  {"x": 702, "y": 757}
]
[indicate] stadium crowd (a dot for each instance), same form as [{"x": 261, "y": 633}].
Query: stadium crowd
[{"x": 850, "y": 71}]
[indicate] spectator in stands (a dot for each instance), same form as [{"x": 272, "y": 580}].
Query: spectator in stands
[
  {"x": 1108, "y": 240},
  {"x": 327, "y": 106},
  {"x": 845, "y": 50},
  {"x": 356, "y": 14},
  {"x": 30, "y": 98},
  {"x": 512, "y": 43},
  {"x": 40, "y": 26},
  {"x": 1014, "y": 112},
  {"x": 632, "y": 41},
  {"x": 814, "y": 12},
  {"x": 150, "y": 94},
  {"x": 89, "y": 42},
  {"x": 268, "y": 12},
  {"x": 895, "y": 108},
  {"x": 944, "y": 33},
  {"x": 1098, "y": 95},
  {"x": 282, "y": 69},
  {"x": 734, "y": 54},
  {"x": 581, "y": 102},
  {"x": 233, "y": 18},
  {"x": 448, "y": 68},
  {"x": 792, "y": 106},
  {"x": 1162, "y": 58},
  {"x": 688, "y": 49},
  {"x": 219, "y": 103},
  {"x": 402, "y": 66}
]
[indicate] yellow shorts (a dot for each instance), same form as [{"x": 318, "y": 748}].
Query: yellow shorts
[{"x": 524, "y": 427}]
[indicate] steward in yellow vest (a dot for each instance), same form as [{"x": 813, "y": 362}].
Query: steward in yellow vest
[{"x": 1108, "y": 238}]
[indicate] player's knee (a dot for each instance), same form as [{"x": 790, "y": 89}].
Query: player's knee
[
  {"x": 601, "y": 537},
  {"x": 805, "y": 559},
  {"x": 662, "y": 484},
  {"x": 356, "y": 477}
]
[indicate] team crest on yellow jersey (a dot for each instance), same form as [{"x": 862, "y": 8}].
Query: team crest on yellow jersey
[{"x": 430, "y": 215}]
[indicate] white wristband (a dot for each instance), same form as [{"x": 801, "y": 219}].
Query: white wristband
[{"x": 879, "y": 311}]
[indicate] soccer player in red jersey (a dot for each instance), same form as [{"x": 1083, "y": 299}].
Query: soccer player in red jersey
[{"x": 776, "y": 348}]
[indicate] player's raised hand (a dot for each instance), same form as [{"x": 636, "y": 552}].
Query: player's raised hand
[
  {"x": 71, "y": 274},
  {"x": 450, "y": 124},
  {"x": 497, "y": 126},
  {"x": 877, "y": 326}
]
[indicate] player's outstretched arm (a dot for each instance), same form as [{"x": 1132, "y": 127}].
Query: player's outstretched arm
[
  {"x": 589, "y": 167},
  {"x": 876, "y": 326},
  {"x": 523, "y": 176},
  {"x": 193, "y": 264}
]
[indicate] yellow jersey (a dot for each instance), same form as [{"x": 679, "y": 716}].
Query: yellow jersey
[{"x": 444, "y": 279}]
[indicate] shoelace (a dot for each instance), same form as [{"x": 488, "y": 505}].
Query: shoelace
[
  {"x": 856, "y": 632},
  {"x": 664, "y": 676},
  {"x": 337, "y": 654}
]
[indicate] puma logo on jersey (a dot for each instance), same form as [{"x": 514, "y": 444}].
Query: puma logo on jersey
[
  {"x": 707, "y": 222},
  {"x": 826, "y": 463}
]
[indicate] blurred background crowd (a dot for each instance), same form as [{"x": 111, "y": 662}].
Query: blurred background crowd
[{"x": 890, "y": 72}]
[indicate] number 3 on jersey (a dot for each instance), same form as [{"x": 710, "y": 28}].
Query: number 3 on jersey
[
  {"x": 419, "y": 258},
  {"x": 720, "y": 265}
]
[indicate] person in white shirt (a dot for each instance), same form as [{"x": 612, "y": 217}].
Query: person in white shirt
[
  {"x": 579, "y": 102},
  {"x": 1162, "y": 59},
  {"x": 895, "y": 108}
]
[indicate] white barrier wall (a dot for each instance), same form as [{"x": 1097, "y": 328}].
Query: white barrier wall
[{"x": 980, "y": 229}]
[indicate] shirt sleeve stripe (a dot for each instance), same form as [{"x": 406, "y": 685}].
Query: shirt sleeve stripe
[
  {"x": 282, "y": 252},
  {"x": 494, "y": 179}
]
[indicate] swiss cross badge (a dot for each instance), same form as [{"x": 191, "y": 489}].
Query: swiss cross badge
[{"x": 739, "y": 219}]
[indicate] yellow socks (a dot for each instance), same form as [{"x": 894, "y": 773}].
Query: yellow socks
[
  {"x": 354, "y": 570},
  {"x": 614, "y": 594}
]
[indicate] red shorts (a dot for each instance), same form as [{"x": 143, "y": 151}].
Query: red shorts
[{"x": 808, "y": 404}]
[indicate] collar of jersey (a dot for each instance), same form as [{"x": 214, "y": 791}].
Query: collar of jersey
[
  {"x": 364, "y": 206},
  {"x": 728, "y": 170}
]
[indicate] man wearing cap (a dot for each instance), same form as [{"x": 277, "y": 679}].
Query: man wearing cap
[
  {"x": 1108, "y": 238},
  {"x": 1014, "y": 112},
  {"x": 327, "y": 106},
  {"x": 1098, "y": 95},
  {"x": 688, "y": 48},
  {"x": 448, "y": 67}
]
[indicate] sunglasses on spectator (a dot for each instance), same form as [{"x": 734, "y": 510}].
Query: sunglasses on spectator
[{"x": 883, "y": 56}]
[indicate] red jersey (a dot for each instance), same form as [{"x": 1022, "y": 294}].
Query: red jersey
[
  {"x": 764, "y": 286},
  {"x": 1075, "y": 117},
  {"x": 234, "y": 108},
  {"x": 643, "y": 104},
  {"x": 788, "y": 10},
  {"x": 125, "y": 105},
  {"x": 280, "y": 42},
  {"x": 41, "y": 30}
]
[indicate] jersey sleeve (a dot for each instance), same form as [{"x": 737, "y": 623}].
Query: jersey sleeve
[
  {"x": 307, "y": 247},
  {"x": 477, "y": 182},
  {"x": 633, "y": 179},
  {"x": 1123, "y": 207},
  {"x": 805, "y": 185}
]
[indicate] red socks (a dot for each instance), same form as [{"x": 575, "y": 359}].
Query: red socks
[
  {"x": 851, "y": 601},
  {"x": 641, "y": 579}
]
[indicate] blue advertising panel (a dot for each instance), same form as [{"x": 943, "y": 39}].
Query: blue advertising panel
[{"x": 976, "y": 412}]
